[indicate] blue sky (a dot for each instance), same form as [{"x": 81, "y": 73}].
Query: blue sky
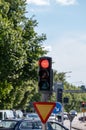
[{"x": 64, "y": 23}]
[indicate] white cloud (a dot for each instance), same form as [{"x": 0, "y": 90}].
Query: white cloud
[
  {"x": 38, "y": 2},
  {"x": 69, "y": 54},
  {"x": 66, "y": 2},
  {"x": 47, "y": 2},
  {"x": 48, "y": 48}
]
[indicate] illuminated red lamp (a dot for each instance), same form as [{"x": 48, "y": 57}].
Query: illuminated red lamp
[{"x": 44, "y": 63}]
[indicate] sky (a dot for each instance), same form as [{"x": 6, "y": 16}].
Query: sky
[{"x": 64, "y": 23}]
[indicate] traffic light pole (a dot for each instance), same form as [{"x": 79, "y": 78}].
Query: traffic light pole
[
  {"x": 45, "y": 79},
  {"x": 44, "y": 99},
  {"x": 59, "y": 95},
  {"x": 62, "y": 114}
]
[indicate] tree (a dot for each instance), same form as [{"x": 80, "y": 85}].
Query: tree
[
  {"x": 74, "y": 98},
  {"x": 20, "y": 48}
]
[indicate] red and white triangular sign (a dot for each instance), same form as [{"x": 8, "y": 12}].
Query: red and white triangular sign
[{"x": 44, "y": 109}]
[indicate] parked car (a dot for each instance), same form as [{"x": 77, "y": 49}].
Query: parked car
[
  {"x": 6, "y": 114},
  {"x": 53, "y": 117},
  {"x": 82, "y": 118},
  {"x": 65, "y": 116},
  {"x": 62, "y": 115},
  {"x": 32, "y": 116},
  {"x": 19, "y": 114},
  {"x": 24, "y": 124}
]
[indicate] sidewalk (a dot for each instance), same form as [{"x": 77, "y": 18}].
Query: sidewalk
[{"x": 79, "y": 125}]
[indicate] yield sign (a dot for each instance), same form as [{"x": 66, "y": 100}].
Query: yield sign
[{"x": 44, "y": 109}]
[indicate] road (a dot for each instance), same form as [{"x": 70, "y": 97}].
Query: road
[{"x": 75, "y": 124}]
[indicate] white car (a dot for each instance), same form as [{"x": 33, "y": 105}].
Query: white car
[
  {"x": 52, "y": 117},
  {"x": 65, "y": 116},
  {"x": 32, "y": 116}
]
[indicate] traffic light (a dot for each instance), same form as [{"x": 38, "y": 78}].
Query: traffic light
[
  {"x": 83, "y": 105},
  {"x": 45, "y": 74},
  {"x": 59, "y": 95},
  {"x": 65, "y": 99}
]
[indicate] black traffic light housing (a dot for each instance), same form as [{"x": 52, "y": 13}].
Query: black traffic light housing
[
  {"x": 65, "y": 100},
  {"x": 83, "y": 104},
  {"x": 59, "y": 95},
  {"x": 45, "y": 74}
]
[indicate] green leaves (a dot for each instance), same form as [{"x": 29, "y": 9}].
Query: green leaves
[{"x": 20, "y": 48}]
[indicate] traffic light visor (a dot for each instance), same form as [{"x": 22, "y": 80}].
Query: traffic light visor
[{"x": 44, "y": 63}]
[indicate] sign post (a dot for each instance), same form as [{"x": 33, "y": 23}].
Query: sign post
[
  {"x": 44, "y": 99},
  {"x": 58, "y": 88},
  {"x": 71, "y": 117}
]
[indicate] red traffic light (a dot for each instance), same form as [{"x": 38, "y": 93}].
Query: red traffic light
[
  {"x": 45, "y": 75},
  {"x": 83, "y": 104},
  {"x": 44, "y": 63}
]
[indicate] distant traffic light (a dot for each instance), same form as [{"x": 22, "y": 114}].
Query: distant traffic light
[
  {"x": 83, "y": 104},
  {"x": 45, "y": 74},
  {"x": 59, "y": 95},
  {"x": 65, "y": 99}
]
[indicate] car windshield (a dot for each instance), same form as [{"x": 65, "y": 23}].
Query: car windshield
[{"x": 55, "y": 126}]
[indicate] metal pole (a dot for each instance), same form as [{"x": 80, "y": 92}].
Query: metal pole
[
  {"x": 83, "y": 116},
  {"x": 43, "y": 126},
  {"x": 70, "y": 125},
  {"x": 62, "y": 114},
  {"x": 44, "y": 99}
]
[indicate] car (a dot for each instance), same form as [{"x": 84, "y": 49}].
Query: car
[
  {"x": 65, "y": 115},
  {"x": 82, "y": 118},
  {"x": 20, "y": 124},
  {"x": 6, "y": 114},
  {"x": 52, "y": 117},
  {"x": 24, "y": 124},
  {"x": 19, "y": 114},
  {"x": 32, "y": 116}
]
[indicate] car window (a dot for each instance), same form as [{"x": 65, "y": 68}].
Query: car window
[
  {"x": 8, "y": 124},
  {"x": 29, "y": 125},
  {"x": 56, "y": 126},
  {"x": 26, "y": 125}
]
